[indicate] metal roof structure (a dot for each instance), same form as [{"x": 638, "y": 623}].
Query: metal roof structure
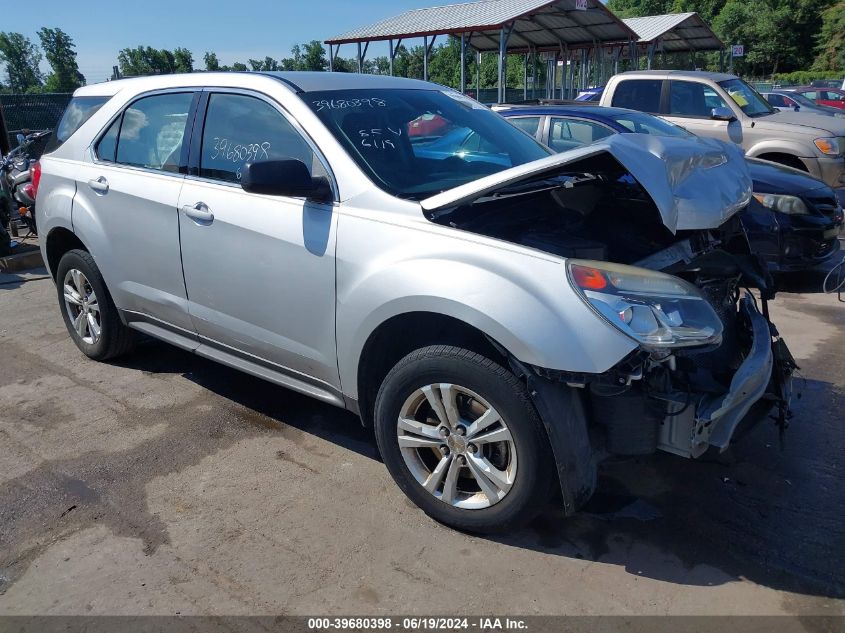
[
  {"x": 533, "y": 24},
  {"x": 676, "y": 32},
  {"x": 583, "y": 36}
]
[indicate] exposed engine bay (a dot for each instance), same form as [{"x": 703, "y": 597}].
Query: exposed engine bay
[{"x": 685, "y": 399}]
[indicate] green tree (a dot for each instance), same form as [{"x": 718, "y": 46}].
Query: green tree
[
  {"x": 345, "y": 65},
  {"x": 183, "y": 60},
  {"x": 830, "y": 47},
  {"x": 59, "y": 49},
  {"x": 779, "y": 35},
  {"x": 21, "y": 57},
  {"x": 310, "y": 56},
  {"x": 314, "y": 56},
  {"x": 146, "y": 60},
  {"x": 268, "y": 63},
  {"x": 239, "y": 66},
  {"x": 211, "y": 61}
]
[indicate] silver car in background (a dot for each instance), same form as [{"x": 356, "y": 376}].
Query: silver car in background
[{"x": 502, "y": 316}]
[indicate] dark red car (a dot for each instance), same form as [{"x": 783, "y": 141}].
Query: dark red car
[{"x": 834, "y": 97}]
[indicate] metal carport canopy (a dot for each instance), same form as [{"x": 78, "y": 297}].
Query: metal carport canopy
[
  {"x": 677, "y": 32},
  {"x": 533, "y": 24}
]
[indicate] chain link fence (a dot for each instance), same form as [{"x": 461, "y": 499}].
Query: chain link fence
[{"x": 23, "y": 113}]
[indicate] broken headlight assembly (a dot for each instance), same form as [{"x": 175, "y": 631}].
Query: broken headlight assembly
[
  {"x": 659, "y": 311},
  {"x": 791, "y": 205}
]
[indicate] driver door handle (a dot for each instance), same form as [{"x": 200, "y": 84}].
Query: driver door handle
[
  {"x": 100, "y": 185},
  {"x": 199, "y": 212}
]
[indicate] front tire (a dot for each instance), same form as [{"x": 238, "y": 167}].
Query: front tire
[
  {"x": 87, "y": 308},
  {"x": 462, "y": 439}
]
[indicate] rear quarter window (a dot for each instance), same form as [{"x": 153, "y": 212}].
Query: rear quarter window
[
  {"x": 638, "y": 94},
  {"x": 78, "y": 111}
]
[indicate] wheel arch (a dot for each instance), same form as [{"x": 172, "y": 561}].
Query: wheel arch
[
  {"x": 403, "y": 333},
  {"x": 59, "y": 241},
  {"x": 783, "y": 158}
]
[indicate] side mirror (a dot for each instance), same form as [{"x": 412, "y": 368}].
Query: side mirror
[
  {"x": 284, "y": 177},
  {"x": 722, "y": 114},
  {"x": 797, "y": 107}
]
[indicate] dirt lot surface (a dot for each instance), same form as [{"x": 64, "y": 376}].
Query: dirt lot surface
[{"x": 163, "y": 483}]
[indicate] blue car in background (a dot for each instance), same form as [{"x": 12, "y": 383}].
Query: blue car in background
[
  {"x": 590, "y": 94},
  {"x": 793, "y": 222}
]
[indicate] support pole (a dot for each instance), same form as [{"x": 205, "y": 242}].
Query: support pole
[
  {"x": 359, "y": 58},
  {"x": 504, "y": 36},
  {"x": 478, "y": 75},
  {"x": 394, "y": 51},
  {"x": 463, "y": 63},
  {"x": 502, "y": 83},
  {"x": 525, "y": 79},
  {"x": 425, "y": 57},
  {"x": 331, "y": 57}
]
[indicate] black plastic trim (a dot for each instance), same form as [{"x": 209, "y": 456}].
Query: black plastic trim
[{"x": 288, "y": 82}]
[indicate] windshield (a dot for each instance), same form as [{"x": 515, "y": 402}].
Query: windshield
[
  {"x": 416, "y": 143},
  {"x": 641, "y": 123},
  {"x": 749, "y": 100}
]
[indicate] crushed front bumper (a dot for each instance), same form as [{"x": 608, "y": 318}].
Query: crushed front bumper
[{"x": 690, "y": 430}]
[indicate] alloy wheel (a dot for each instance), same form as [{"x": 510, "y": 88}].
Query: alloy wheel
[
  {"x": 457, "y": 446},
  {"x": 82, "y": 306}
]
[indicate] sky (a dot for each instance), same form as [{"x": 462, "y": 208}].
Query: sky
[{"x": 236, "y": 29}]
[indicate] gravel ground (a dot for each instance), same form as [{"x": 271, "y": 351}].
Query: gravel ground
[{"x": 163, "y": 483}]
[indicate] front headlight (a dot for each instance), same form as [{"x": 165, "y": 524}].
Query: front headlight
[
  {"x": 783, "y": 204},
  {"x": 831, "y": 146},
  {"x": 659, "y": 311}
]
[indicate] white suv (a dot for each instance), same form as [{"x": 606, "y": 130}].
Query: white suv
[{"x": 498, "y": 313}]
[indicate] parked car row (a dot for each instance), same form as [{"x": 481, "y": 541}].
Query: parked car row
[
  {"x": 793, "y": 220},
  {"x": 800, "y": 103},
  {"x": 502, "y": 315}
]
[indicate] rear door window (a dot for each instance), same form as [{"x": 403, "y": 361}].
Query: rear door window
[
  {"x": 571, "y": 133},
  {"x": 78, "y": 111},
  {"x": 528, "y": 124},
  {"x": 638, "y": 94},
  {"x": 152, "y": 130}
]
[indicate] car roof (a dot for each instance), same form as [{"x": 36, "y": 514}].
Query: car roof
[
  {"x": 664, "y": 74},
  {"x": 298, "y": 81}
]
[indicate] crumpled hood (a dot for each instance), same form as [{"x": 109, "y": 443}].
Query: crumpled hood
[{"x": 696, "y": 183}]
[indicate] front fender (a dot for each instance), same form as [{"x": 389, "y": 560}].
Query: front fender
[
  {"x": 780, "y": 146},
  {"x": 518, "y": 297}
]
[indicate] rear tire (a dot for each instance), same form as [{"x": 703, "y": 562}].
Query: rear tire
[
  {"x": 440, "y": 464},
  {"x": 87, "y": 308}
]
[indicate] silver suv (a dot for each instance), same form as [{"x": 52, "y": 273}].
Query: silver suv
[
  {"x": 498, "y": 313},
  {"x": 722, "y": 106}
]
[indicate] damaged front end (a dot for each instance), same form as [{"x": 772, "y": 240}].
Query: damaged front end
[{"x": 653, "y": 244}]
